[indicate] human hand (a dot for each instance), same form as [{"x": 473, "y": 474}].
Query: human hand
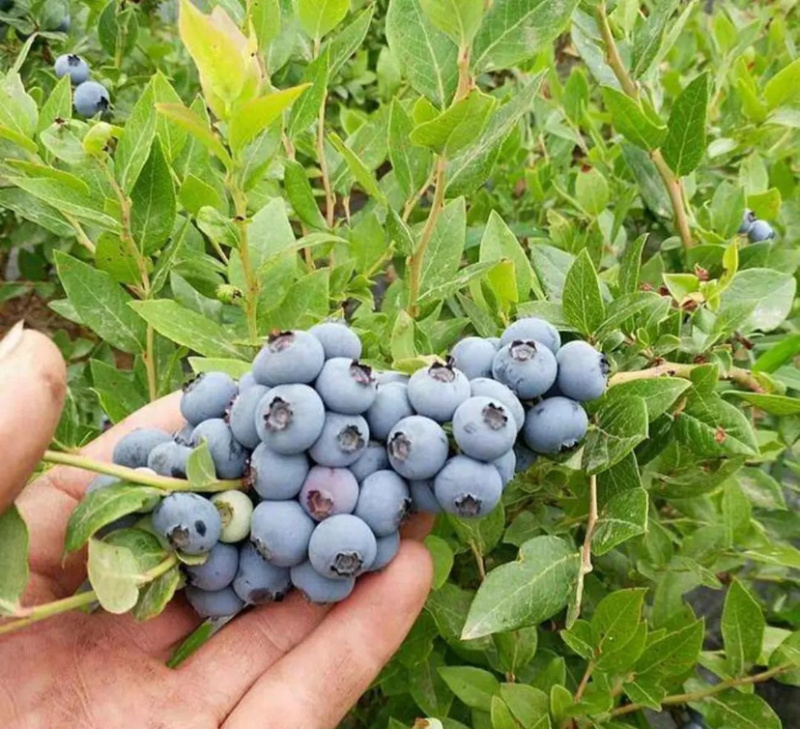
[{"x": 289, "y": 664}]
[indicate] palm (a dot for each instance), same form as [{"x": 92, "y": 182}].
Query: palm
[{"x": 306, "y": 664}]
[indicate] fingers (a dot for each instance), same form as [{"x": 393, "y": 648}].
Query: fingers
[
  {"x": 315, "y": 685},
  {"x": 34, "y": 379}
]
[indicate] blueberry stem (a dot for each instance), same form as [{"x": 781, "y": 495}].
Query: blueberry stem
[
  {"x": 133, "y": 475},
  {"x": 742, "y": 377},
  {"x": 47, "y": 610},
  {"x": 586, "y": 553}
]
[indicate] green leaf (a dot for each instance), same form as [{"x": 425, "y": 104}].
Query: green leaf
[
  {"x": 672, "y": 655},
  {"x": 621, "y": 519},
  {"x": 357, "y": 168},
  {"x": 236, "y": 368},
  {"x": 198, "y": 127},
  {"x": 305, "y": 304},
  {"x": 156, "y": 595},
  {"x": 616, "y": 624},
  {"x": 118, "y": 392},
  {"x": 456, "y": 127},
  {"x": 659, "y": 394},
  {"x": 473, "y": 686},
  {"x": 591, "y": 191},
  {"x": 582, "y": 301},
  {"x": 712, "y": 427},
  {"x": 348, "y": 40},
  {"x": 757, "y": 298},
  {"x": 133, "y": 149},
  {"x": 200, "y": 469},
  {"x": 187, "y": 328},
  {"x": 740, "y": 711},
  {"x": 685, "y": 143},
  {"x": 528, "y": 704},
  {"x": 117, "y": 25},
  {"x": 37, "y": 211},
  {"x": 442, "y": 558},
  {"x": 631, "y": 121},
  {"x": 499, "y": 243},
  {"x": 103, "y": 506},
  {"x": 649, "y": 693},
  {"x": 18, "y": 111},
  {"x": 115, "y": 576},
  {"x": 443, "y": 255},
  {"x": 270, "y": 233},
  {"x": 115, "y": 258},
  {"x": 320, "y": 17},
  {"x": 255, "y": 116},
  {"x": 621, "y": 426},
  {"x": 527, "y": 591},
  {"x": 145, "y": 546},
  {"x": 460, "y": 19},
  {"x": 773, "y": 404},
  {"x": 13, "y": 558},
  {"x": 742, "y": 628},
  {"x": 305, "y": 112},
  {"x": 514, "y": 30},
  {"x": 196, "y": 194},
  {"x": 410, "y": 164},
  {"x": 101, "y": 304},
  {"x": 426, "y": 55},
  {"x": 484, "y": 533},
  {"x": 264, "y": 17},
  {"x": 783, "y": 86},
  {"x": 500, "y": 715},
  {"x": 580, "y": 638},
  {"x": 647, "y": 40},
  {"x": 301, "y": 195},
  {"x": 427, "y": 687},
  {"x": 153, "y": 197},
  {"x": 196, "y": 639},
  {"x": 58, "y": 104}
]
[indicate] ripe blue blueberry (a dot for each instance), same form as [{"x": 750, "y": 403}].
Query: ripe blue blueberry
[
  {"x": 496, "y": 343},
  {"x": 387, "y": 376},
  {"x": 258, "y": 582},
  {"x": 289, "y": 418},
  {"x": 423, "y": 498},
  {"x": 276, "y": 477},
  {"x": 555, "y": 425},
  {"x": 337, "y": 339},
  {"x": 246, "y": 381},
  {"x": 342, "y": 547},
  {"x": 91, "y": 98},
  {"x": 525, "y": 458},
  {"x": 506, "y": 466},
  {"x": 100, "y": 482},
  {"x": 437, "y": 391},
  {"x": 208, "y": 396},
  {"x": 188, "y": 522},
  {"x": 747, "y": 222},
  {"x": 329, "y": 491},
  {"x": 383, "y": 502},
  {"x": 169, "y": 459},
  {"x": 388, "y": 547},
  {"x": 484, "y": 428},
  {"x": 528, "y": 368},
  {"x": 133, "y": 449},
  {"x": 73, "y": 66},
  {"x": 289, "y": 358},
  {"x": 343, "y": 440},
  {"x": 217, "y": 571},
  {"x": 318, "y": 589},
  {"x": 220, "y": 604},
  {"x": 229, "y": 457},
  {"x": 242, "y": 416},
  {"x": 582, "y": 371},
  {"x": 474, "y": 357},
  {"x": 373, "y": 459},
  {"x": 235, "y": 510},
  {"x": 468, "y": 488},
  {"x": 280, "y": 531},
  {"x": 485, "y": 387},
  {"x": 417, "y": 447},
  {"x": 532, "y": 328},
  {"x": 390, "y": 407},
  {"x": 760, "y": 231},
  {"x": 346, "y": 386}
]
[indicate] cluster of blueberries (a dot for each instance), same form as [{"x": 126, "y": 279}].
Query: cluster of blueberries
[
  {"x": 89, "y": 97},
  {"x": 756, "y": 230},
  {"x": 336, "y": 455}
]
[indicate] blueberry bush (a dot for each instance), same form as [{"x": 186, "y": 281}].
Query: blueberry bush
[{"x": 611, "y": 188}]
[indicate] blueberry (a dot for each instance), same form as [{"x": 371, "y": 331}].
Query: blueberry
[
  {"x": 235, "y": 510},
  {"x": 169, "y": 459},
  {"x": 747, "y": 222},
  {"x": 220, "y": 604},
  {"x": 258, "y": 582},
  {"x": 73, "y": 66},
  {"x": 343, "y": 440},
  {"x": 183, "y": 436},
  {"x": 242, "y": 416},
  {"x": 100, "y": 482},
  {"x": 760, "y": 231},
  {"x": 506, "y": 466},
  {"x": 528, "y": 368},
  {"x": 535, "y": 329},
  {"x": 525, "y": 458},
  {"x": 484, "y": 428},
  {"x": 280, "y": 531},
  {"x": 229, "y": 457},
  {"x": 91, "y": 98},
  {"x": 390, "y": 407},
  {"x": 208, "y": 396},
  {"x": 388, "y": 548},
  {"x": 329, "y": 491},
  {"x": 496, "y": 343},
  {"x": 276, "y": 477},
  {"x": 437, "y": 391},
  {"x": 468, "y": 488},
  {"x": 484, "y": 387},
  {"x": 474, "y": 357},
  {"x": 133, "y": 449},
  {"x": 217, "y": 571},
  {"x": 555, "y": 425},
  {"x": 342, "y": 547},
  {"x": 290, "y": 418},
  {"x": 188, "y": 522},
  {"x": 387, "y": 376},
  {"x": 337, "y": 339},
  {"x": 423, "y": 498},
  {"x": 318, "y": 589},
  {"x": 289, "y": 357},
  {"x": 582, "y": 371},
  {"x": 383, "y": 502},
  {"x": 346, "y": 386},
  {"x": 373, "y": 459},
  {"x": 246, "y": 381},
  {"x": 417, "y": 447}
]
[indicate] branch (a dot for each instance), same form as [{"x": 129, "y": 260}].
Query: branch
[
  {"x": 586, "y": 551},
  {"x": 743, "y": 378},
  {"x": 478, "y": 559},
  {"x": 252, "y": 285},
  {"x": 42, "y": 612}
]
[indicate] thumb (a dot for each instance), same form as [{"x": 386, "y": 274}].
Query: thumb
[{"x": 33, "y": 380}]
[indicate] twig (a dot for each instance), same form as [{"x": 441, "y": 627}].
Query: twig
[
  {"x": 586, "y": 551},
  {"x": 252, "y": 286},
  {"x": 478, "y": 559},
  {"x": 150, "y": 363},
  {"x": 330, "y": 200},
  {"x": 80, "y": 233},
  {"x": 42, "y": 612},
  {"x": 743, "y": 378},
  {"x": 417, "y": 196}
]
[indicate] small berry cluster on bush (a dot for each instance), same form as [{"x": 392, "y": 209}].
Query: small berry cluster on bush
[{"x": 89, "y": 98}]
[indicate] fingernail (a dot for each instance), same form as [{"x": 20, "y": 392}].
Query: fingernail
[{"x": 11, "y": 340}]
